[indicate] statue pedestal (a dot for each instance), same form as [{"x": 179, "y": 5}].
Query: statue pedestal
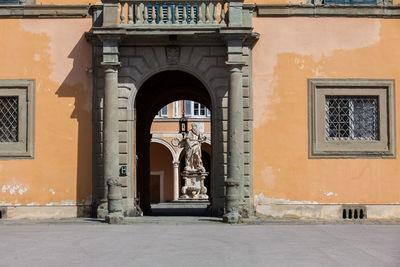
[{"x": 194, "y": 185}]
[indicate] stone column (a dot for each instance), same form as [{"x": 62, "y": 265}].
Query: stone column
[
  {"x": 235, "y": 131},
  {"x": 110, "y": 129},
  {"x": 176, "y": 179}
]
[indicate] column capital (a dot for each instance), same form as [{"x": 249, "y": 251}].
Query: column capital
[
  {"x": 235, "y": 66},
  {"x": 176, "y": 164},
  {"x": 110, "y": 66}
]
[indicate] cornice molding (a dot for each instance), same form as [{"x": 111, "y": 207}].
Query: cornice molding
[
  {"x": 392, "y": 11},
  {"x": 44, "y": 11}
]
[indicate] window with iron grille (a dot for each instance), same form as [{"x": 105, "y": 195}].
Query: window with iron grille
[
  {"x": 16, "y": 118},
  {"x": 351, "y": 118}
]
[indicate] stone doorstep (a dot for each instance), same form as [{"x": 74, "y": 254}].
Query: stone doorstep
[{"x": 182, "y": 204}]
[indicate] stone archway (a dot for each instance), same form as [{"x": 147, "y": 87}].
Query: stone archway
[
  {"x": 158, "y": 90},
  {"x": 219, "y": 64}
]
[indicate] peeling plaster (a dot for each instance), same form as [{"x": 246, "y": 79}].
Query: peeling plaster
[
  {"x": 62, "y": 203},
  {"x": 302, "y": 37},
  {"x": 261, "y": 200},
  {"x": 60, "y": 45},
  {"x": 51, "y": 190},
  {"x": 269, "y": 177},
  {"x": 36, "y": 57},
  {"x": 329, "y": 194},
  {"x": 14, "y": 189}
]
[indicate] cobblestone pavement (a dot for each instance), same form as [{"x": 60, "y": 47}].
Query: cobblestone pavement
[{"x": 198, "y": 241}]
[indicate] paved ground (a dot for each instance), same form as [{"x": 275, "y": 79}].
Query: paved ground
[{"x": 197, "y": 241}]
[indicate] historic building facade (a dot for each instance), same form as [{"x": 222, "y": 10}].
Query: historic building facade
[{"x": 302, "y": 101}]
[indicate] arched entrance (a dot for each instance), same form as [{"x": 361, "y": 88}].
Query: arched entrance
[
  {"x": 136, "y": 78},
  {"x": 157, "y": 91}
]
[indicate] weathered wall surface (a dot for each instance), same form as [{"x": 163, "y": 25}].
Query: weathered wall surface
[
  {"x": 290, "y": 51},
  {"x": 55, "y": 54}
]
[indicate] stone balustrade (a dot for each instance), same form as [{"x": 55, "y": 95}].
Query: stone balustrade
[{"x": 172, "y": 13}]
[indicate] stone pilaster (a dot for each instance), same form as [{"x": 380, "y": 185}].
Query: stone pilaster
[
  {"x": 235, "y": 131},
  {"x": 110, "y": 129}
]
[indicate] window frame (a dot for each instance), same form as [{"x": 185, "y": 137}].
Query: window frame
[
  {"x": 320, "y": 147},
  {"x": 25, "y": 91},
  {"x": 161, "y": 114},
  {"x": 190, "y": 112}
]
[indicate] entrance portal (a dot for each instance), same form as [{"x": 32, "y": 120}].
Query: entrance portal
[{"x": 159, "y": 90}]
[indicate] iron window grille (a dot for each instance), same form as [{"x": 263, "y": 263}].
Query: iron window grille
[
  {"x": 352, "y": 118},
  {"x": 8, "y": 119}
]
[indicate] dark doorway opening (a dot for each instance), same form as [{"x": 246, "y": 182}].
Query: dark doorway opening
[{"x": 153, "y": 95}]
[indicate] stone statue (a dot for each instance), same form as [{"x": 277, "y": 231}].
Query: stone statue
[
  {"x": 194, "y": 173},
  {"x": 192, "y": 143}
]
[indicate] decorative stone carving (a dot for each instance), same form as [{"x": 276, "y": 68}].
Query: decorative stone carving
[
  {"x": 194, "y": 173},
  {"x": 173, "y": 53},
  {"x": 191, "y": 142},
  {"x": 194, "y": 185}
]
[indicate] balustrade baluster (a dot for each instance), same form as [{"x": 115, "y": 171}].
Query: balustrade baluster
[
  {"x": 138, "y": 14},
  {"x": 208, "y": 15},
  {"x": 161, "y": 15},
  {"x": 199, "y": 13},
  {"x": 153, "y": 14},
  {"x": 145, "y": 14},
  {"x": 130, "y": 13},
  {"x": 122, "y": 14},
  {"x": 169, "y": 14},
  {"x": 192, "y": 14},
  {"x": 215, "y": 11},
  {"x": 184, "y": 15},
  {"x": 222, "y": 22},
  {"x": 176, "y": 14}
]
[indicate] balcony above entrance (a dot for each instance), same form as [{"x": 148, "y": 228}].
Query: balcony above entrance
[{"x": 177, "y": 15}]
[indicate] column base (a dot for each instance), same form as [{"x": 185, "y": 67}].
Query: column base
[
  {"x": 102, "y": 210},
  {"x": 232, "y": 217},
  {"x": 115, "y": 218}
]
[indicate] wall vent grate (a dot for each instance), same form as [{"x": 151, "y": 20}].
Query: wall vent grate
[{"x": 354, "y": 212}]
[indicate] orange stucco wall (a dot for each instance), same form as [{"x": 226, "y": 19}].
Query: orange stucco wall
[
  {"x": 290, "y": 51},
  {"x": 56, "y": 54},
  {"x": 161, "y": 160}
]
